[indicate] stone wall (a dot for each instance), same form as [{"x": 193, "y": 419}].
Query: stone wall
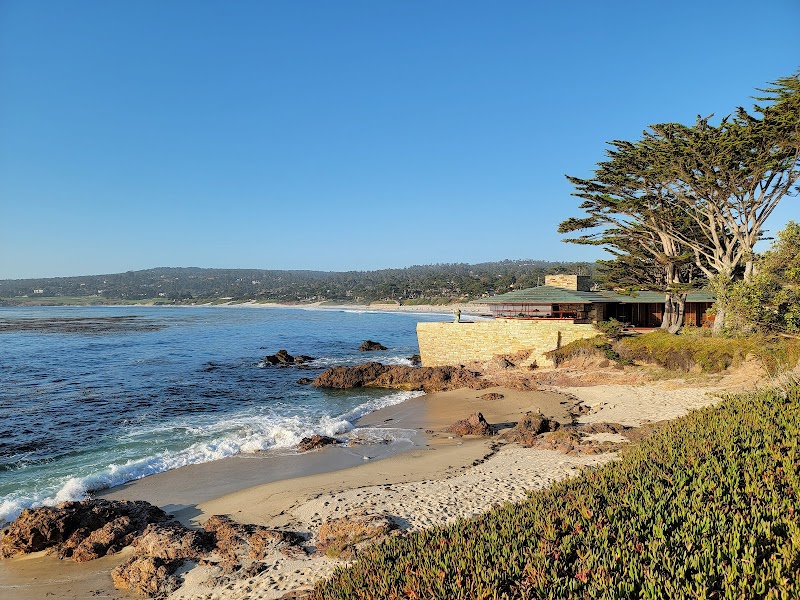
[{"x": 458, "y": 343}]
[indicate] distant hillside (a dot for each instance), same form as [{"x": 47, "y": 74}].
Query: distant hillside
[{"x": 417, "y": 284}]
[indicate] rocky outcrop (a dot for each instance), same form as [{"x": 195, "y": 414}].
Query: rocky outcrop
[
  {"x": 94, "y": 528},
  {"x": 415, "y": 360},
  {"x": 79, "y": 530},
  {"x": 159, "y": 553},
  {"x": 492, "y": 396},
  {"x": 315, "y": 442},
  {"x": 304, "y": 381},
  {"x": 235, "y": 541},
  {"x": 173, "y": 541},
  {"x": 403, "y": 377},
  {"x": 163, "y": 549},
  {"x": 147, "y": 576},
  {"x": 342, "y": 538},
  {"x": 370, "y": 346},
  {"x": 537, "y": 431},
  {"x": 475, "y": 424},
  {"x": 283, "y": 358},
  {"x": 526, "y": 433}
]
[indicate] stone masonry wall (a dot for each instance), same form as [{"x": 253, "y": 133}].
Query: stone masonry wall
[
  {"x": 458, "y": 343},
  {"x": 569, "y": 282}
]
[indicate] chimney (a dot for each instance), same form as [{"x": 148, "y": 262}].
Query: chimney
[{"x": 582, "y": 283}]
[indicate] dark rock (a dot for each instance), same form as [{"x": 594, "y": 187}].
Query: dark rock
[
  {"x": 283, "y": 358},
  {"x": 403, "y": 377},
  {"x": 370, "y": 346},
  {"x": 416, "y": 360},
  {"x": 305, "y": 380},
  {"x": 315, "y": 442},
  {"x": 492, "y": 396},
  {"x": 82, "y": 530},
  {"x": 475, "y": 424},
  {"x": 527, "y": 431}
]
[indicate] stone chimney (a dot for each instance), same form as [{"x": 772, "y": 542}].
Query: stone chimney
[{"x": 581, "y": 283}]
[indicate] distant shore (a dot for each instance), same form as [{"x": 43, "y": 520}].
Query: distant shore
[{"x": 465, "y": 307}]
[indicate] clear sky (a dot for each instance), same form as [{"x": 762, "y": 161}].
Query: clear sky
[{"x": 340, "y": 135}]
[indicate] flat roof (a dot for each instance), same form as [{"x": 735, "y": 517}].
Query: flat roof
[{"x": 548, "y": 294}]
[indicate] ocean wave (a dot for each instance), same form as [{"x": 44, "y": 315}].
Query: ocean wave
[
  {"x": 326, "y": 362},
  {"x": 245, "y": 434}
]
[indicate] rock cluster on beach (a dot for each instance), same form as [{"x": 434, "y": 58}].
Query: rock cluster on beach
[
  {"x": 475, "y": 424},
  {"x": 79, "y": 530},
  {"x": 403, "y": 377},
  {"x": 94, "y": 528},
  {"x": 283, "y": 358}
]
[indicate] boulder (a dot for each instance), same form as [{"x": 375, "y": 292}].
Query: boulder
[
  {"x": 526, "y": 432},
  {"x": 304, "y": 381},
  {"x": 415, "y": 360},
  {"x": 81, "y": 530},
  {"x": 475, "y": 424},
  {"x": 315, "y": 442},
  {"x": 370, "y": 346},
  {"x": 283, "y": 358},
  {"x": 492, "y": 396},
  {"x": 403, "y": 377}
]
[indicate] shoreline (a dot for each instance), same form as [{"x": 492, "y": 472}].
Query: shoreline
[
  {"x": 441, "y": 479},
  {"x": 467, "y": 309}
]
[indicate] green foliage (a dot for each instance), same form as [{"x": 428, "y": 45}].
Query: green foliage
[
  {"x": 770, "y": 301},
  {"x": 692, "y": 349},
  {"x": 705, "y": 508},
  {"x": 598, "y": 347},
  {"x": 612, "y": 328}
]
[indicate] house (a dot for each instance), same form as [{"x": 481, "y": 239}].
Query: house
[
  {"x": 570, "y": 297},
  {"x": 534, "y": 321}
]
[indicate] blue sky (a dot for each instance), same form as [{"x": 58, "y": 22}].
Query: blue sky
[{"x": 342, "y": 135}]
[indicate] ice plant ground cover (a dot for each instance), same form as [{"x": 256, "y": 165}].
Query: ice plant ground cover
[{"x": 705, "y": 508}]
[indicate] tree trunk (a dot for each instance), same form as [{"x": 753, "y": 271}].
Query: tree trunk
[
  {"x": 719, "y": 319},
  {"x": 666, "y": 320},
  {"x": 748, "y": 270},
  {"x": 678, "y": 311}
]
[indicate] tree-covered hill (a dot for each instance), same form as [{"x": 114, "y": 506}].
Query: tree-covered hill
[{"x": 419, "y": 283}]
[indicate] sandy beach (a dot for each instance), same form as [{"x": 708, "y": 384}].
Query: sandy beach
[{"x": 442, "y": 478}]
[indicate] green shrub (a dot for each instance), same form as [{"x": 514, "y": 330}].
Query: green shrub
[
  {"x": 705, "y": 508},
  {"x": 598, "y": 347},
  {"x": 612, "y": 328},
  {"x": 696, "y": 350}
]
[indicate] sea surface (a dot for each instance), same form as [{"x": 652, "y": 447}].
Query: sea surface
[{"x": 92, "y": 397}]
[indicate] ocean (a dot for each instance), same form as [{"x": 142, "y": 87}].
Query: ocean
[{"x": 93, "y": 397}]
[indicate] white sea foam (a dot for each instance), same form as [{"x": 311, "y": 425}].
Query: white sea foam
[
  {"x": 232, "y": 436},
  {"x": 326, "y": 362}
]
